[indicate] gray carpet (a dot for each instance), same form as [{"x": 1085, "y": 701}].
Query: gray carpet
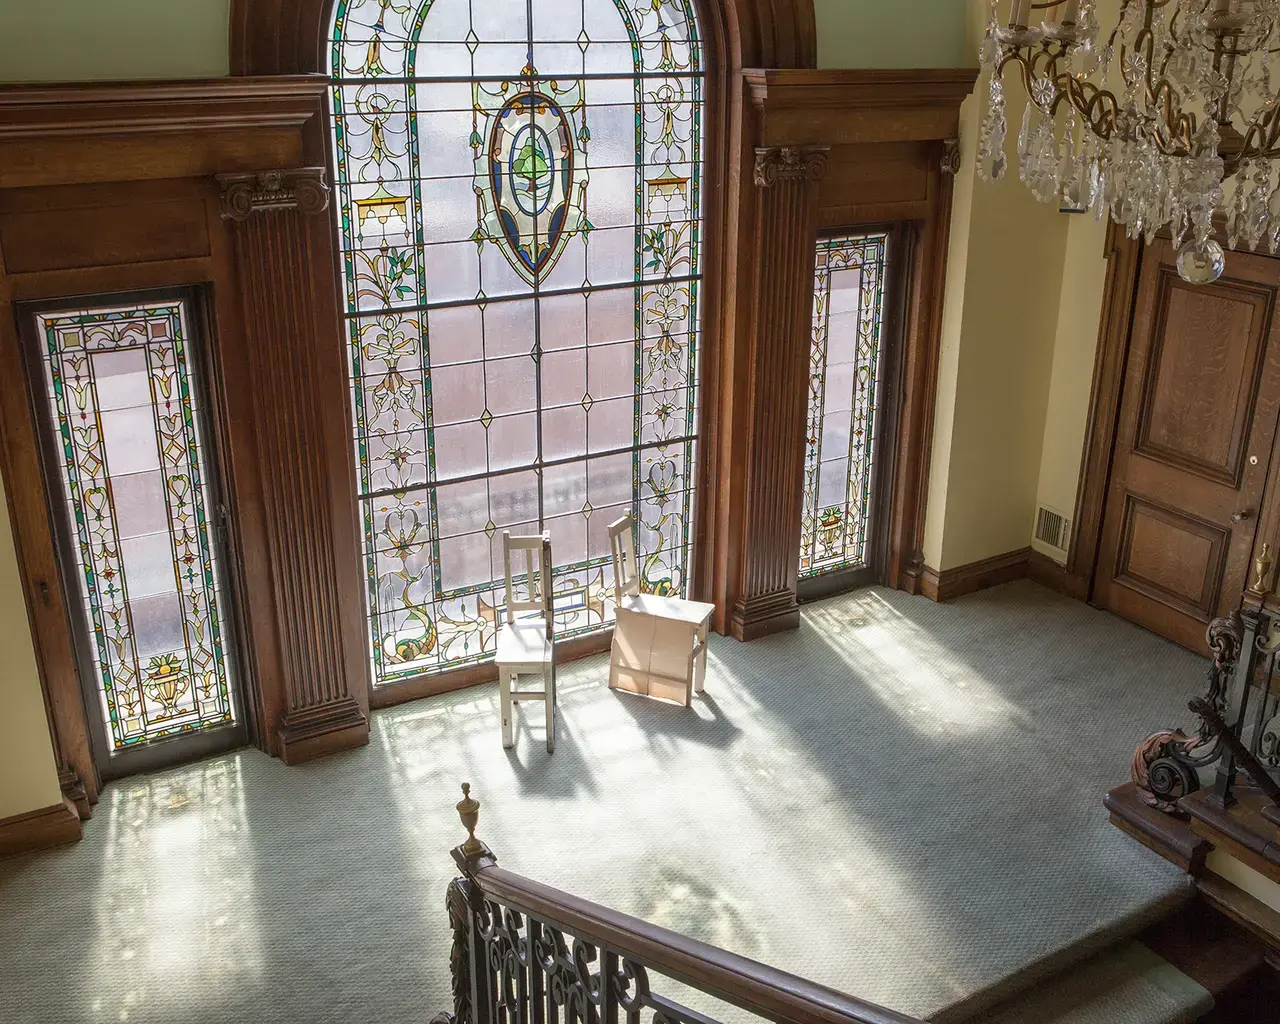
[{"x": 901, "y": 800}]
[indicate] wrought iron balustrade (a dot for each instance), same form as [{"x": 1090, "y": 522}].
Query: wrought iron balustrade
[
  {"x": 1242, "y": 699},
  {"x": 526, "y": 953}
]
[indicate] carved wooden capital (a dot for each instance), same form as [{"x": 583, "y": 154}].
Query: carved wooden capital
[
  {"x": 807, "y": 164},
  {"x": 951, "y": 156},
  {"x": 303, "y": 189}
]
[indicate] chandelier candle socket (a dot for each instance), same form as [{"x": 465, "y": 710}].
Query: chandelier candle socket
[{"x": 1166, "y": 121}]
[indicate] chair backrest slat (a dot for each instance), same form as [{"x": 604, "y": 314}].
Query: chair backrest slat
[
  {"x": 622, "y": 546},
  {"x": 536, "y": 583}
]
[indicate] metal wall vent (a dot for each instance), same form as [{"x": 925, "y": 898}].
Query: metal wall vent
[{"x": 1053, "y": 530}]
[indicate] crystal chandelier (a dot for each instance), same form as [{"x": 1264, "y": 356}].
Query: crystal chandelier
[{"x": 1168, "y": 120}]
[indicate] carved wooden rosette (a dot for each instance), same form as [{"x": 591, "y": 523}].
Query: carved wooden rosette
[
  {"x": 299, "y": 404},
  {"x": 786, "y": 232}
]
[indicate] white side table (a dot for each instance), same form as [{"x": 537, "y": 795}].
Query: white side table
[{"x": 660, "y": 647}]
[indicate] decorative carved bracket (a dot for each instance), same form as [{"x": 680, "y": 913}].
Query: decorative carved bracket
[
  {"x": 951, "y": 156},
  {"x": 808, "y": 164},
  {"x": 303, "y": 189},
  {"x": 1166, "y": 764}
]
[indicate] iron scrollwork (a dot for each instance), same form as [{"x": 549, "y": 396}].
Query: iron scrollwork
[
  {"x": 1166, "y": 764},
  {"x": 1239, "y": 711},
  {"x": 530, "y": 969}
]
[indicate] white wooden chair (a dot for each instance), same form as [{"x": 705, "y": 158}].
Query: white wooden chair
[
  {"x": 659, "y": 643},
  {"x": 525, "y": 643}
]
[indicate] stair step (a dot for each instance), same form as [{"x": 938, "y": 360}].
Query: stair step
[
  {"x": 1065, "y": 959},
  {"x": 1175, "y": 971},
  {"x": 1207, "y": 947},
  {"x": 1126, "y": 984}
]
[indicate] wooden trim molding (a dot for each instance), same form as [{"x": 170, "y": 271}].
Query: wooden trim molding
[
  {"x": 948, "y": 584},
  {"x": 1120, "y": 293},
  {"x": 298, "y": 385},
  {"x": 1025, "y": 563},
  {"x": 1049, "y": 574},
  {"x": 133, "y": 108},
  {"x": 49, "y": 826},
  {"x": 81, "y": 133},
  {"x": 1245, "y": 910},
  {"x": 1172, "y": 838},
  {"x": 909, "y": 487},
  {"x": 847, "y": 107}
]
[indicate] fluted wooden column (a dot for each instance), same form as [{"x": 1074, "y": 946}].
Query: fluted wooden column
[
  {"x": 284, "y": 263},
  {"x": 786, "y": 182}
]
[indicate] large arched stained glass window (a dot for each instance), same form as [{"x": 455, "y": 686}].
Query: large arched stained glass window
[{"x": 518, "y": 186}]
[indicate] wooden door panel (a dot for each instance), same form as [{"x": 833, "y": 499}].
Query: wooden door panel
[
  {"x": 1202, "y": 375},
  {"x": 1172, "y": 557},
  {"x": 1193, "y": 445}
]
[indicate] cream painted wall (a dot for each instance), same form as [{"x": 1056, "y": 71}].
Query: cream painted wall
[
  {"x": 1000, "y": 324},
  {"x": 28, "y": 775},
  {"x": 994, "y": 376},
  {"x": 900, "y": 34},
  {"x": 1075, "y": 347},
  {"x": 82, "y": 40}
]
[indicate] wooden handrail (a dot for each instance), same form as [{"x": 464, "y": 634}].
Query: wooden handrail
[{"x": 745, "y": 983}]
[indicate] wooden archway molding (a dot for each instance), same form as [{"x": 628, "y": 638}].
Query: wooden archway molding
[{"x": 289, "y": 37}]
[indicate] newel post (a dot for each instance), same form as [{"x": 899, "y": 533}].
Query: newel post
[
  {"x": 786, "y": 181},
  {"x": 463, "y": 900},
  {"x": 284, "y": 261}
]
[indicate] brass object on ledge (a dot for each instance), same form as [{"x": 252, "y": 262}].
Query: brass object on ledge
[{"x": 1262, "y": 571}]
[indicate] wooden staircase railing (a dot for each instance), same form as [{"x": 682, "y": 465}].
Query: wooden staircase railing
[{"x": 525, "y": 953}]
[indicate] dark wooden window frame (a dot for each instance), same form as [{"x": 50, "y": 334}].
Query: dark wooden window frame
[
  {"x": 147, "y": 757},
  {"x": 900, "y": 254}
]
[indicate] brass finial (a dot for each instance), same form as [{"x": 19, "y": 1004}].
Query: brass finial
[
  {"x": 1262, "y": 570},
  {"x": 469, "y": 812}
]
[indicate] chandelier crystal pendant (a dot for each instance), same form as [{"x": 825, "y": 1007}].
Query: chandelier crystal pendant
[{"x": 1168, "y": 120}]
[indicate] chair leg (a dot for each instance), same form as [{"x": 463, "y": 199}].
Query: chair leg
[
  {"x": 506, "y": 679},
  {"x": 550, "y": 700},
  {"x": 700, "y": 668}
]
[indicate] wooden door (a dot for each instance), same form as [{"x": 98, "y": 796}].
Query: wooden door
[{"x": 1193, "y": 445}]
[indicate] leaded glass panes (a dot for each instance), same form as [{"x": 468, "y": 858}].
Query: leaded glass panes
[
  {"x": 519, "y": 193},
  {"x": 133, "y": 474},
  {"x": 844, "y": 380}
]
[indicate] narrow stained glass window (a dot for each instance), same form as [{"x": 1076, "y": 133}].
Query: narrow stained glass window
[
  {"x": 844, "y": 378},
  {"x": 519, "y": 193},
  {"x": 133, "y": 475}
]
